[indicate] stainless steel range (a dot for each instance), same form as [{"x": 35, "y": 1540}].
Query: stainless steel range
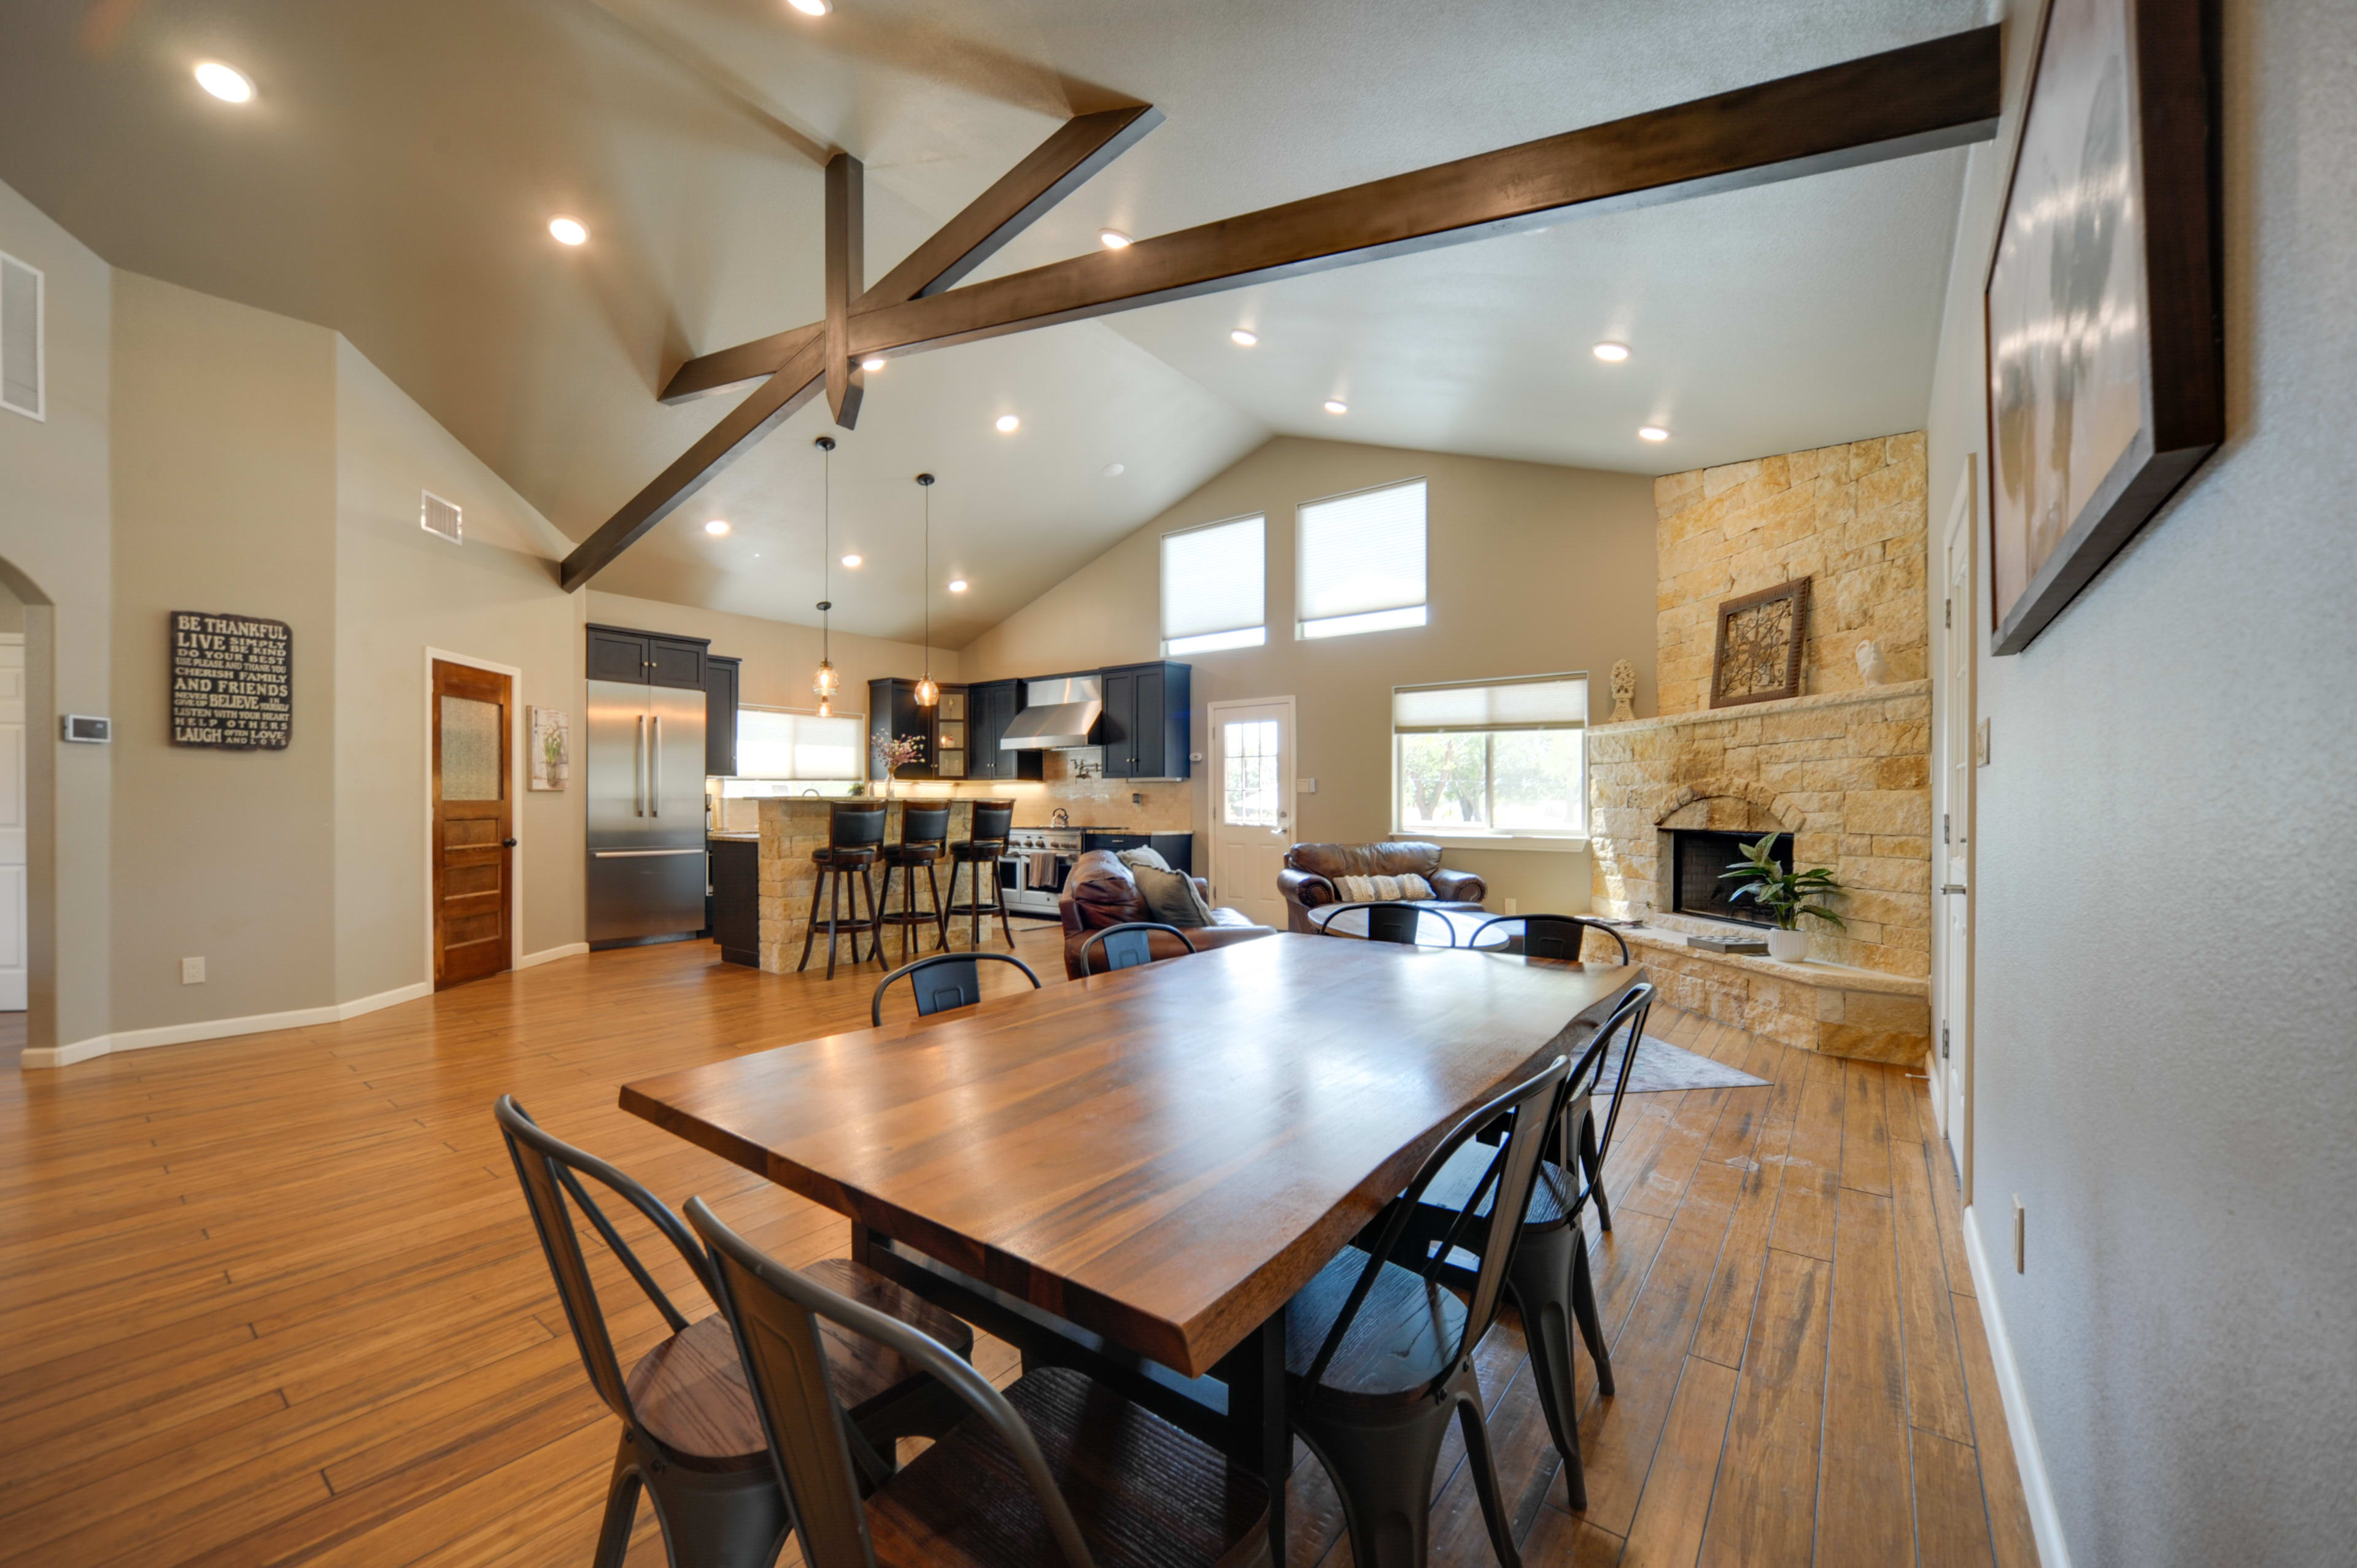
[{"x": 1031, "y": 877}]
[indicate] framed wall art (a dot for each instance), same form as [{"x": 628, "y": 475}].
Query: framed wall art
[
  {"x": 1760, "y": 636},
  {"x": 2106, "y": 381},
  {"x": 552, "y": 748}
]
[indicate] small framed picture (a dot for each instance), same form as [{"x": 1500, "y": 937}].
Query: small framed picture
[
  {"x": 1759, "y": 638},
  {"x": 552, "y": 748}
]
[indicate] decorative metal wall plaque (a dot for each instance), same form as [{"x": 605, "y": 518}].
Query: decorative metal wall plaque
[
  {"x": 233, "y": 681},
  {"x": 1760, "y": 640}
]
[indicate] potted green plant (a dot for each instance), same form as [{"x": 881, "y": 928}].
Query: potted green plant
[{"x": 1787, "y": 895}]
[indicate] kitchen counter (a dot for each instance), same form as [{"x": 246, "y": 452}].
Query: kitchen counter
[{"x": 792, "y": 826}]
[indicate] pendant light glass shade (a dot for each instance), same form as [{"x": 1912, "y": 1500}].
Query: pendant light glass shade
[
  {"x": 824, "y": 684},
  {"x": 926, "y": 692}
]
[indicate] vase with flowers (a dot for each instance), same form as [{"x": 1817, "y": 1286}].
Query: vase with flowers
[
  {"x": 1787, "y": 895},
  {"x": 896, "y": 753}
]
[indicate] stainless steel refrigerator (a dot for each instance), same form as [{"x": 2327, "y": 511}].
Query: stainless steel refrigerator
[{"x": 646, "y": 811}]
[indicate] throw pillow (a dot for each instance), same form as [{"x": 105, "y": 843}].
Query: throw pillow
[
  {"x": 1385, "y": 889},
  {"x": 1171, "y": 897},
  {"x": 1150, "y": 859}
]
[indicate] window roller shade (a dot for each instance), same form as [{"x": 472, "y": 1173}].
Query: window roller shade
[
  {"x": 1364, "y": 554},
  {"x": 798, "y": 746},
  {"x": 1214, "y": 579},
  {"x": 1554, "y": 701}
]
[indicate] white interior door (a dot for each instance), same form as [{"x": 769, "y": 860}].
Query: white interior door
[
  {"x": 1252, "y": 804},
  {"x": 1952, "y": 855},
  {"x": 12, "y": 823}
]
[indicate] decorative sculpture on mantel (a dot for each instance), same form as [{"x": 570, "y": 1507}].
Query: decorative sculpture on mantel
[
  {"x": 1624, "y": 692},
  {"x": 1872, "y": 667}
]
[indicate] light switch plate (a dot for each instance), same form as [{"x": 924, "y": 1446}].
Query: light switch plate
[
  {"x": 1305, "y": 785},
  {"x": 1981, "y": 745}
]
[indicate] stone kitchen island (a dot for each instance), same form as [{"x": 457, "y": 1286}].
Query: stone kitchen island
[{"x": 792, "y": 828}]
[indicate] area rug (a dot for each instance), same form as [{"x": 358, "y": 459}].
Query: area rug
[{"x": 1663, "y": 1068}]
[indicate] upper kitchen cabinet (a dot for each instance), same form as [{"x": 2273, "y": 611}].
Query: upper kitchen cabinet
[
  {"x": 1146, "y": 711},
  {"x": 990, "y": 708},
  {"x": 721, "y": 687},
  {"x": 655, "y": 659},
  {"x": 892, "y": 711}
]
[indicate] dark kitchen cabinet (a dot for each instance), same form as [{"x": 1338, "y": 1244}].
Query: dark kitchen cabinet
[
  {"x": 1177, "y": 850},
  {"x": 892, "y": 711},
  {"x": 1147, "y": 710},
  {"x": 720, "y": 694},
  {"x": 652, "y": 659},
  {"x": 991, "y": 708},
  {"x": 737, "y": 899}
]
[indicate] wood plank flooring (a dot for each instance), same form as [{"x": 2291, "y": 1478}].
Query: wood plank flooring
[{"x": 276, "y": 1300}]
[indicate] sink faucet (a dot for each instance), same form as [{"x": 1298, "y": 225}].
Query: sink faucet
[{"x": 1062, "y": 818}]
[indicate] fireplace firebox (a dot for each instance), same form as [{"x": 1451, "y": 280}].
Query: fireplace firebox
[{"x": 1698, "y": 855}]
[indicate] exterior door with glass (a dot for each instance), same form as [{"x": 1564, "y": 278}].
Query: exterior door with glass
[
  {"x": 1252, "y": 804},
  {"x": 474, "y": 841}
]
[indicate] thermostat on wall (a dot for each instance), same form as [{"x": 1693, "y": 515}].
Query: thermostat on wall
[{"x": 86, "y": 727}]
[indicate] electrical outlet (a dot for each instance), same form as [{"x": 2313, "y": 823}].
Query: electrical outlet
[
  {"x": 2020, "y": 1237},
  {"x": 1136, "y": 798},
  {"x": 1510, "y": 906},
  {"x": 192, "y": 972}
]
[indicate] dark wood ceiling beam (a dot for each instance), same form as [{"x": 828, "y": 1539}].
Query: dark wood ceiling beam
[
  {"x": 794, "y": 384},
  {"x": 847, "y": 277},
  {"x": 734, "y": 367},
  {"x": 1941, "y": 93}
]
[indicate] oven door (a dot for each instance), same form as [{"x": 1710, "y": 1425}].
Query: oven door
[{"x": 1033, "y": 880}]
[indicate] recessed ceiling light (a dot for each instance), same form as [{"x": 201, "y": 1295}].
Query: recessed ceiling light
[
  {"x": 1244, "y": 337},
  {"x": 1652, "y": 432},
  {"x": 957, "y": 585},
  {"x": 717, "y": 525},
  {"x": 812, "y": 7},
  {"x": 1610, "y": 353},
  {"x": 569, "y": 231},
  {"x": 873, "y": 362},
  {"x": 1008, "y": 423},
  {"x": 225, "y": 82},
  {"x": 1113, "y": 239},
  {"x": 852, "y": 560},
  {"x": 1336, "y": 405},
  {"x": 1115, "y": 470}
]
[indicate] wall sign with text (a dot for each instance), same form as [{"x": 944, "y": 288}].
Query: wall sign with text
[{"x": 233, "y": 681}]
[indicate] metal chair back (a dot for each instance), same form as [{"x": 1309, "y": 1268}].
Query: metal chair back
[
  {"x": 924, "y": 827},
  {"x": 776, "y": 1314},
  {"x": 991, "y": 820},
  {"x": 1524, "y": 1111},
  {"x": 550, "y": 1170},
  {"x": 1628, "y": 1017},
  {"x": 1394, "y": 920},
  {"x": 1127, "y": 945},
  {"x": 1551, "y": 936},
  {"x": 944, "y": 981},
  {"x": 855, "y": 824}
]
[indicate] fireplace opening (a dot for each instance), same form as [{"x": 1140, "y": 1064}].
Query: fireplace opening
[{"x": 1698, "y": 855}]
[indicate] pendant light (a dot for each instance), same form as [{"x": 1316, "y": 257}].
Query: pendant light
[
  {"x": 827, "y": 681},
  {"x": 928, "y": 693}
]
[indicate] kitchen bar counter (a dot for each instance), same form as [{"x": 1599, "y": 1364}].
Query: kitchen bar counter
[{"x": 792, "y": 826}]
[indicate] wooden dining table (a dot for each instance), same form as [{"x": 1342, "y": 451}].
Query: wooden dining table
[{"x": 1134, "y": 1173}]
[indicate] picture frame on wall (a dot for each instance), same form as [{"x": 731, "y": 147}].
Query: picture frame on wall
[
  {"x": 552, "y": 748},
  {"x": 2106, "y": 373},
  {"x": 1760, "y": 636}
]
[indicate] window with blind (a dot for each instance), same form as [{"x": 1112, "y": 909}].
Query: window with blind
[
  {"x": 1215, "y": 587},
  {"x": 1502, "y": 759},
  {"x": 772, "y": 743},
  {"x": 1361, "y": 562}
]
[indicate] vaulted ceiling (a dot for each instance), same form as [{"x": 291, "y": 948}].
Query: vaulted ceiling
[{"x": 394, "y": 177}]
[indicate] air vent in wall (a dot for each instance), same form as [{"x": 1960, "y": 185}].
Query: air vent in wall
[
  {"x": 437, "y": 516},
  {"x": 20, "y": 339}
]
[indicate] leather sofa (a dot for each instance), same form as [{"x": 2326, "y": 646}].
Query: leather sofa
[
  {"x": 1306, "y": 880},
  {"x": 1099, "y": 892}
]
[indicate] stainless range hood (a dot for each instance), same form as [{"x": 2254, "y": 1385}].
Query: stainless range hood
[{"x": 1058, "y": 715}]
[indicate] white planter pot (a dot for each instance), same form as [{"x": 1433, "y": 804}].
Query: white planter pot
[{"x": 1787, "y": 947}]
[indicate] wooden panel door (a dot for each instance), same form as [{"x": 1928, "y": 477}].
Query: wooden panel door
[{"x": 474, "y": 823}]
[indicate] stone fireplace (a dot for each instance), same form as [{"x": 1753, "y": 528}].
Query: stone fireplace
[
  {"x": 1694, "y": 879},
  {"x": 1843, "y": 769}
]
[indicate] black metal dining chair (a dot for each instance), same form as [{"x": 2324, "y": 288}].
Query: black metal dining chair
[
  {"x": 1394, "y": 920},
  {"x": 690, "y": 1435},
  {"x": 1548, "y": 1272},
  {"x": 1127, "y": 945},
  {"x": 944, "y": 981},
  {"x": 1378, "y": 1354},
  {"x": 1056, "y": 1470},
  {"x": 1551, "y": 936}
]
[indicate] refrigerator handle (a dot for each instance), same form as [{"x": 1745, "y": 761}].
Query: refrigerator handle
[
  {"x": 639, "y": 771},
  {"x": 654, "y": 771}
]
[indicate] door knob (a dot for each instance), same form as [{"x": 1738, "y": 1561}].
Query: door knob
[{"x": 506, "y": 844}]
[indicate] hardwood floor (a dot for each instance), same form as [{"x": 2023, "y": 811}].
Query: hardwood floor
[{"x": 276, "y": 1300}]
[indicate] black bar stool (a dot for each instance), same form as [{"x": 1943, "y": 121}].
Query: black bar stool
[
  {"x": 854, "y": 834},
  {"x": 980, "y": 854},
  {"x": 924, "y": 837}
]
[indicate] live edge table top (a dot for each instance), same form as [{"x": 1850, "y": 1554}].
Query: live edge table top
[{"x": 1162, "y": 1155}]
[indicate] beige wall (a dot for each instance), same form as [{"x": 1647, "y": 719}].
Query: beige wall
[
  {"x": 55, "y": 552},
  {"x": 1533, "y": 568},
  {"x": 223, "y": 455},
  {"x": 399, "y": 591},
  {"x": 12, "y": 612}
]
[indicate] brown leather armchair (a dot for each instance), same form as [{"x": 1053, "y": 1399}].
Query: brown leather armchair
[
  {"x": 1306, "y": 880},
  {"x": 1098, "y": 891}
]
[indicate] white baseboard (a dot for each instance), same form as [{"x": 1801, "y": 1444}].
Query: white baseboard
[
  {"x": 36, "y": 1056},
  {"x": 2045, "y": 1521},
  {"x": 550, "y": 955}
]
